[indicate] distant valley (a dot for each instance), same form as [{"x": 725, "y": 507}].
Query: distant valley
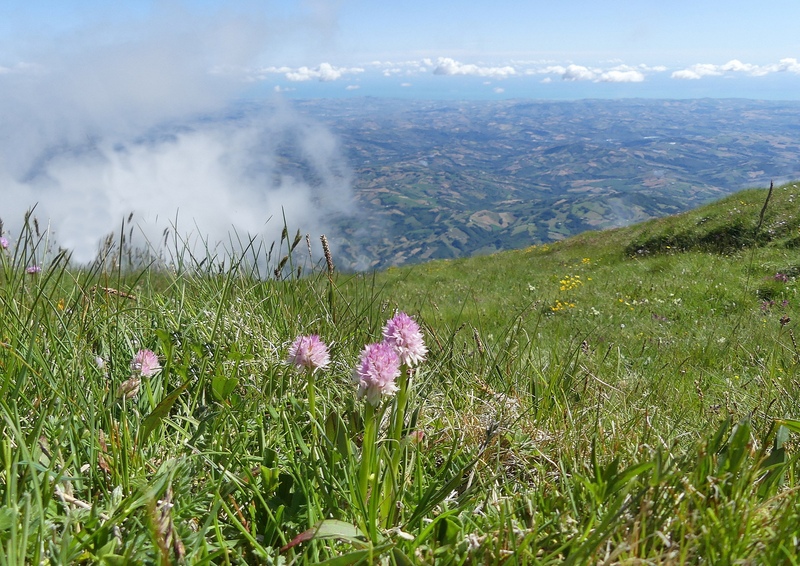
[{"x": 444, "y": 179}]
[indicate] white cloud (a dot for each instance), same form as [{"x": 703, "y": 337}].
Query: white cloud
[
  {"x": 405, "y": 85},
  {"x": 498, "y": 90},
  {"x": 325, "y": 72},
  {"x": 737, "y": 66},
  {"x": 621, "y": 77},
  {"x": 642, "y": 67},
  {"x": 104, "y": 129},
  {"x": 395, "y": 68},
  {"x": 686, "y": 74},
  {"x": 352, "y": 87},
  {"x": 217, "y": 177},
  {"x": 580, "y": 73},
  {"x": 549, "y": 70},
  {"x": 701, "y": 70},
  {"x": 790, "y": 64},
  {"x": 616, "y": 74},
  {"x": 698, "y": 71},
  {"x": 446, "y": 66},
  {"x": 449, "y": 67}
]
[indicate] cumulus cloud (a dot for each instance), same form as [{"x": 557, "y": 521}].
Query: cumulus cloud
[
  {"x": 548, "y": 70},
  {"x": 580, "y": 73},
  {"x": 93, "y": 134},
  {"x": 618, "y": 74},
  {"x": 621, "y": 77},
  {"x": 737, "y": 66},
  {"x": 405, "y": 68},
  {"x": 700, "y": 70},
  {"x": 324, "y": 72},
  {"x": 447, "y": 66},
  {"x": 697, "y": 72},
  {"x": 790, "y": 64}
]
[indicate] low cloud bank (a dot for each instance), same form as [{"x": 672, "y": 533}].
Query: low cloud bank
[
  {"x": 700, "y": 70},
  {"x": 151, "y": 125},
  {"x": 569, "y": 72}
]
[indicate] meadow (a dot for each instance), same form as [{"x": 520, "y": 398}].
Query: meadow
[{"x": 620, "y": 397}]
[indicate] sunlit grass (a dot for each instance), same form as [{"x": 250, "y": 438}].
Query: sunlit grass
[{"x": 580, "y": 402}]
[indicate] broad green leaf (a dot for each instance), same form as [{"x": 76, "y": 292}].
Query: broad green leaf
[
  {"x": 791, "y": 424},
  {"x": 357, "y": 557},
  {"x": 271, "y": 477},
  {"x": 7, "y": 518},
  {"x": 400, "y": 559},
  {"x": 162, "y": 410},
  {"x": 333, "y": 528},
  {"x": 222, "y": 386}
]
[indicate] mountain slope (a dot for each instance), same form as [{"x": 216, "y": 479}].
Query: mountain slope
[{"x": 618, "y": 286}]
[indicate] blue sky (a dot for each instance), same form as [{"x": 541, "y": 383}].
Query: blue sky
[{"x": 429, "y": 49}]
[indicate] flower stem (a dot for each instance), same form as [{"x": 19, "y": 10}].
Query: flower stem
[
  {"x": 393, "y": 478},
  {"x": 367, "y": 450},
  {"x": 401, "y": 402},
  {"x": 368, "y": 465},
  {"x": 312, "y": 394}
]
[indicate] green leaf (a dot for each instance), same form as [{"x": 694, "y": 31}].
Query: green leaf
[
  {"x": 715, "y": 444},
  {"x": 781, "y": 437},
  {"x": 271, "y": 478},
  {"x": 791, "y": 424},
  {"x": 433, "y": 497},
  {"x": 774, "y": 464},
  {"x": 447, "y": 531},
  {"x": 400, "y": 559},
  {"x": 331, "y": 528},
  {"x": 222, "y": 386},
  {"x": 7, "y": 518},
  {"x": 162, "y": 410},
  {"x": 114, "y": 560},
  {"x": 628, "y": 474},
  {"x": 357, "y": 557},
  {"x": 733, "y": 456},
  {"x": 346, "y": 559}
]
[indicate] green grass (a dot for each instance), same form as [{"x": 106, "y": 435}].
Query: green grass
[{"x": 623, "y": 396}]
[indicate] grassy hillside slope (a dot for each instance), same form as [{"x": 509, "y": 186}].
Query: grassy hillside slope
[{"x": 619, "y": 396}]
